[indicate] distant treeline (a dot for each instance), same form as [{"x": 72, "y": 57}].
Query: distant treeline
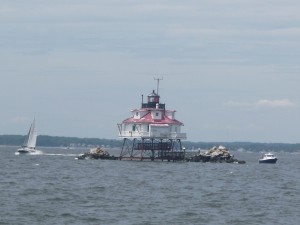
[
  {"x": 54, "y": 141},
  {"x": 246, "y": 146}
]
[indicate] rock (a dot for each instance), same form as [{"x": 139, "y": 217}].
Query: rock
[
  {"x": 215, "y": 154},
  {"x": 96, "y": 153}
]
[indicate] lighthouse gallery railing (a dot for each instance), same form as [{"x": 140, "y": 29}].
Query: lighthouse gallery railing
[{"x": 142, "y": 134}]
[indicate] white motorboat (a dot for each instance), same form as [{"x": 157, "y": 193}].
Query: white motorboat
[
  {"x": 30, "y": 140},
  {"x": 268, "y": 158}
]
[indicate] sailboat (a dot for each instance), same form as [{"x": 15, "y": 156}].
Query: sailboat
[{"x": 30, "y": 140}]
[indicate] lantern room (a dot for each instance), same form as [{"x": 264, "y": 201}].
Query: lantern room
[{"x": 153, "y": 101}]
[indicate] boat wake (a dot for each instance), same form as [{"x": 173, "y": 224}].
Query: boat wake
[
  {"x": 39, "y": 152},
  {"x": 59, "y": 154},
  {"x": 36, "y": 152}
]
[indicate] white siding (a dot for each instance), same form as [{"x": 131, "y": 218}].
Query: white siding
[
  {"x": 159, "y": 131},
  {"x": 156, "y": 115}
]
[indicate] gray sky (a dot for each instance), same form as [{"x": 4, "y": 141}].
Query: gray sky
[{"x": 230, "y": 68}]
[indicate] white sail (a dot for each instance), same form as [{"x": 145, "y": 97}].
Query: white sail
[
  {"x": 32, "y": 136},
  {"x": 30, "y": 140},
  {"x": 25, "y": 143}
]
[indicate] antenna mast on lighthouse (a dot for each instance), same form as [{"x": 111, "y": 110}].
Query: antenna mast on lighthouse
[{"x": 158, "y": 79}]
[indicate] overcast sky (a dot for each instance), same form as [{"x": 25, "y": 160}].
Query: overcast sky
[{"x": 230, "y": 68}]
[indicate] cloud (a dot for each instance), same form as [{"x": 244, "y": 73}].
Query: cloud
[
  {"x": 19, "y": 119},
  {"x": 275, "y": 103},
  {"x": 266, "y": 103}
]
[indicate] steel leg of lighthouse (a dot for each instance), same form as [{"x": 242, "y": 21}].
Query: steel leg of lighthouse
[
  {"x": 152, "y": 149},
  {"x": 127, "y": 148},
  {"x": 132, "y": 148},
  {"x": 122, "y": 149},
  {"x": 142, "y": 149}
]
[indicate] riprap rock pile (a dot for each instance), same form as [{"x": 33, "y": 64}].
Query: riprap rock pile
[
  {"x": 96, "y": 153},
  {"x": 215, "y": 154}
]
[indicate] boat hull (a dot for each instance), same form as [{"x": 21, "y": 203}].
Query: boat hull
[
  {"x": 268, "y": 161},
  {"x": 24, "y": 150}
]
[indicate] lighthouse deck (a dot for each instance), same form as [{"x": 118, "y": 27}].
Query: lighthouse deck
[
  {"x": 162, "y": 156},
  {"x": 143, "y": 134}
]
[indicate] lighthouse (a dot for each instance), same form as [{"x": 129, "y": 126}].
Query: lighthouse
[{"x": 152, "y": 132}]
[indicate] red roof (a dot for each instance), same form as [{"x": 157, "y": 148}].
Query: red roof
[{"x": 148, "y": 119}]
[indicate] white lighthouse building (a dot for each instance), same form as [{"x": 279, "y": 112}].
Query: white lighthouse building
[{"x": 152, "y": 132}]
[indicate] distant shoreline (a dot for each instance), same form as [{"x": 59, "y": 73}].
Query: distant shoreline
[{"x": 64, "y": 142}]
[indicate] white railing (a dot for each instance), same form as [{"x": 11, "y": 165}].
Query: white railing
[
  {"x": 136, "y": 134},
  {"x": 133, "y": 134},
  {"x": 175, "y": 135}
]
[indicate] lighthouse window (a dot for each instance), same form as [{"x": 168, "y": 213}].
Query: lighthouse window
[
  {"x": 156, "y": 114},
  {"x": 137, "y": 113}
]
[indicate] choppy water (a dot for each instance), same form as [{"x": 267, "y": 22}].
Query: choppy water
[{"x": 54, "y": 188}]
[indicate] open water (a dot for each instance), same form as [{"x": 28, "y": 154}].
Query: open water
[{"x": 53, "y": 188}]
